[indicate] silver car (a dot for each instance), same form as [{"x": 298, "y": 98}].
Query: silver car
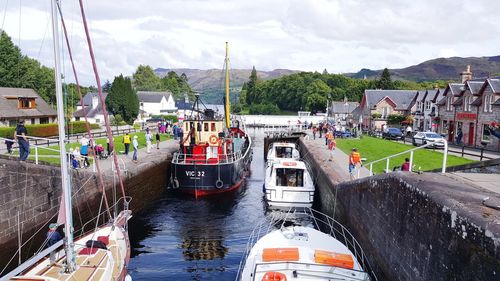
[{"x": 422, "y": 138}]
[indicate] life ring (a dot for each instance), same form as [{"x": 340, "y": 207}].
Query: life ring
[
  {"x": 213, "y": 139},
  {"x": 175, "y": 183},
  {"x": 219, "y": 184}
]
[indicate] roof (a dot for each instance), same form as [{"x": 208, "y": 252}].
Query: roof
[
  {"x": 421, "y": 96},
  {"x": 87, "y": 99},
  {"x": 438, "y": 95},
  {"x": 458, "y": 102},
  {"x": 497, "y": 102},
  {"x": 183, "y": 105},
  {"x": 495, "y": 85},
  {"x": 474, "y": 86},
  {"x": 343, "y": 106},
  {"x": 456, "y": 88},
  {"x": 9, "y": 104},
  {"x": 290, "y": 164},
  {"x": 402, "y": 98},
  {"x": 155, "y": 97}
]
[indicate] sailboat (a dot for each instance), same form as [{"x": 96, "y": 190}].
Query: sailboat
[
  {"x": 215, "y": 152},
  {"x": 101, "y": 254}
]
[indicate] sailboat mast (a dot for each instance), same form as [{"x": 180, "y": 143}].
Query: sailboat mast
[
  {"x": 66, "y": 187},
  {"x": 227, "y": 104}
]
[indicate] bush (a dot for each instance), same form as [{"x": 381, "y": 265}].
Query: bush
[
  {"x": 236, "y": 108},
  {"x": 376, "y": 115},
  {"x": 48, "y": 130},
  {"x": 264, "y": 108},
  {"x": 395, "y": 119}
]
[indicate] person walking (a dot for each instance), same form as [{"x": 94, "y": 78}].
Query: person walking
[
  {"x": 458, "y": 139},
  {"x": 332, "y": 145},
  {"x": 149, "y": 139},
  {"x": 135, "y": 144},
  {"x": 320, "y": 129},
  {"x": 354, "y": 160},
  {"x": 157, "y": 136},
  {"x": 314, "y": 129},
  {"x": 21, "y": 136},
  {"x": 84, "y": 150},
  {"x": 126, "y": 142},
  {"x": 327, "y": 137}
]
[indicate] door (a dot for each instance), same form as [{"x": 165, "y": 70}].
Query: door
[
  {"x": 451, "y": 131},
  {"x": 471, "y": 134}
]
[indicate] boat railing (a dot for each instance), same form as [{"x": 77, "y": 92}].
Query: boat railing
[
  {"x": 122, "y": 204},
  {"x": 321, "y": 222}
]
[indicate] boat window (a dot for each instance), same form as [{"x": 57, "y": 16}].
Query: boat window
[
  {"x": 213, "y": 127},
  {"x": 205, "y": 127},
  {"x": 284, "y": 152},
  {"x": 289, "y": 177},
  {"x": 198, "y": 128},
  {"x": 191, "y": 125}
]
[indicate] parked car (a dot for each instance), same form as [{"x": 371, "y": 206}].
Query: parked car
[
  {"x": 345, "y": 134},
  {"x": 422, "y": 138},
  {"x": 392, "y": 134}
]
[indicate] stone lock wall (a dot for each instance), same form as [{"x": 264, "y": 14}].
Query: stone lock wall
[
  {"x": 414, "y": 227},
  {"x": 30, "y": 194}
]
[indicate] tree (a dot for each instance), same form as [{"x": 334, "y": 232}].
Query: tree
[
  {"x": 106, "y": 87},
  {"x": 123, "y": 100},
  {"x": 317, "y": 96},
  {"x": 251, "y": 94},
  {"x": 20, "y": 71},
  {"x": 385, "y": 82},
  {"x": 145, "y": 79}
]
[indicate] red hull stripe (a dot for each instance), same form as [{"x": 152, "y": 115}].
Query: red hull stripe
[{"x": 199, "y": 193}]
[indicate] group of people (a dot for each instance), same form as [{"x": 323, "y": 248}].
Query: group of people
[{"x": 127, "y": 141}]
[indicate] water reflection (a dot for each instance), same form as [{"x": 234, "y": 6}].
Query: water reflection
[{"x": 181, "y": 238}]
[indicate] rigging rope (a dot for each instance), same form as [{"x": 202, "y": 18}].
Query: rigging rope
[
  {"x": 87, "y": 124},
  {"x": 101, "y": 98},
  {"x": 4, "y": 14}
]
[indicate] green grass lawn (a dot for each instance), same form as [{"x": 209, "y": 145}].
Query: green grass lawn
[
  {"x": 374, "y": 148},
  {"x": 51, "y": 155}
]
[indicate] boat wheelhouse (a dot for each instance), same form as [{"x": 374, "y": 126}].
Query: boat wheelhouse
[
  {"x": 289, "y": 184},
  {"x": 280, "y": 151}
]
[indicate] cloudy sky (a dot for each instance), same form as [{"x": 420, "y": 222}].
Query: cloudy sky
[{"x": 339, "y": 35}]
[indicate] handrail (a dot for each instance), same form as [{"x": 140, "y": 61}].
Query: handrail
[
  {"x": 387, "y": 170},
  {"x": 36, "y": 148}
]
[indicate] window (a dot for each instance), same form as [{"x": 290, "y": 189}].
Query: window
[
  {"x": 45, "y": 120},
  {"x": 289, "y": 177},
  {"x": 488, "y": 100},
  {"x": 283, "y": 152},
  {"x": 26, "y": 103},
  {"x": 212, "y": 127},
  {"x": 205, "y": 127},
  {"x": 427, "y": 105},
  {"x": 485, "y": 137},
  {"x": 449, "y": 107},
  {"x": 385, "y": 112}
]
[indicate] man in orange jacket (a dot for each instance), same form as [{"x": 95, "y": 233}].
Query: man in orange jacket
[{"x": 354, "y": 160}]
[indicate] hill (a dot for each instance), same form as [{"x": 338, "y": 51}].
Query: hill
[
  {"x": 439, "y": 69},
  {"x": 210, "y": 82}
]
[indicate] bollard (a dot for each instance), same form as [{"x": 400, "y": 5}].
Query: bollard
[
  {"x": 411, "y": 160},
  {"x": 387, "y": 166}
]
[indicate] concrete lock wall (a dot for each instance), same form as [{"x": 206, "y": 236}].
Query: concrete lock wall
[
  {"x": 415, "y": 227},
  {"x": 30, "y": 194}
]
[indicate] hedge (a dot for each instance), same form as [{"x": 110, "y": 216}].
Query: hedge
[{"x": 47, "y": 130}]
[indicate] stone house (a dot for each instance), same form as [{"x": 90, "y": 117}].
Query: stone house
[
  {"x": 487, "y": 103},
  {"x": 446, "y": 110},
  {"x": 24, "y": 104},
  {"x": 425, "y": 112},
  {"x": 340, "y": 112},
  {"x": 377, "y": 105}
]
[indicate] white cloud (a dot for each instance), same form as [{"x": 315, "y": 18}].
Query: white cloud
[{"x": 342, "y": 36}]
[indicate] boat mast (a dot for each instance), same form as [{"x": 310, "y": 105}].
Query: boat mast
[
  {"x": 227, "y": 105},
  {"x": 66, "y": 187}
]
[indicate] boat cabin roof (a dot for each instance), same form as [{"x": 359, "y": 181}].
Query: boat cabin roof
[
  {"x": 283, "y": 144},
  {"x": 290, "y": 164}
]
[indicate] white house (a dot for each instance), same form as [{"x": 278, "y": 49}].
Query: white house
[
  {"x": 92, "y": 109},
  {"x": 157, "y": 103}
]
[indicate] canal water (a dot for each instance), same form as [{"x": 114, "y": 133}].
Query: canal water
[{"x": 180, "y": 238}]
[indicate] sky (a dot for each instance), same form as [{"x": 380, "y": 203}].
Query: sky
[{"x": 312, "y": 35}]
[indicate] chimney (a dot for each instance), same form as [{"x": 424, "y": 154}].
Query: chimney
[
  {"x": 466, "y": 75},
  {"x": 95, "y": 101}
]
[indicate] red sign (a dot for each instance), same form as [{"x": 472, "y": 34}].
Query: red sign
[{"x": 466, "y": 116}]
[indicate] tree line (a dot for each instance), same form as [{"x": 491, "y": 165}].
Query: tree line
[{"x": 311, "y": 91}]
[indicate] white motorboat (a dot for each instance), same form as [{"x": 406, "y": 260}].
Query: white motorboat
[
  {"x": 304, "y": 253},
  {"x": 280, "y": 151},
  {"x": 289, "y": 184}
]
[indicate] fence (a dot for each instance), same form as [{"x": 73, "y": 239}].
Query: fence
[{"x": 388, "y": 158}]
